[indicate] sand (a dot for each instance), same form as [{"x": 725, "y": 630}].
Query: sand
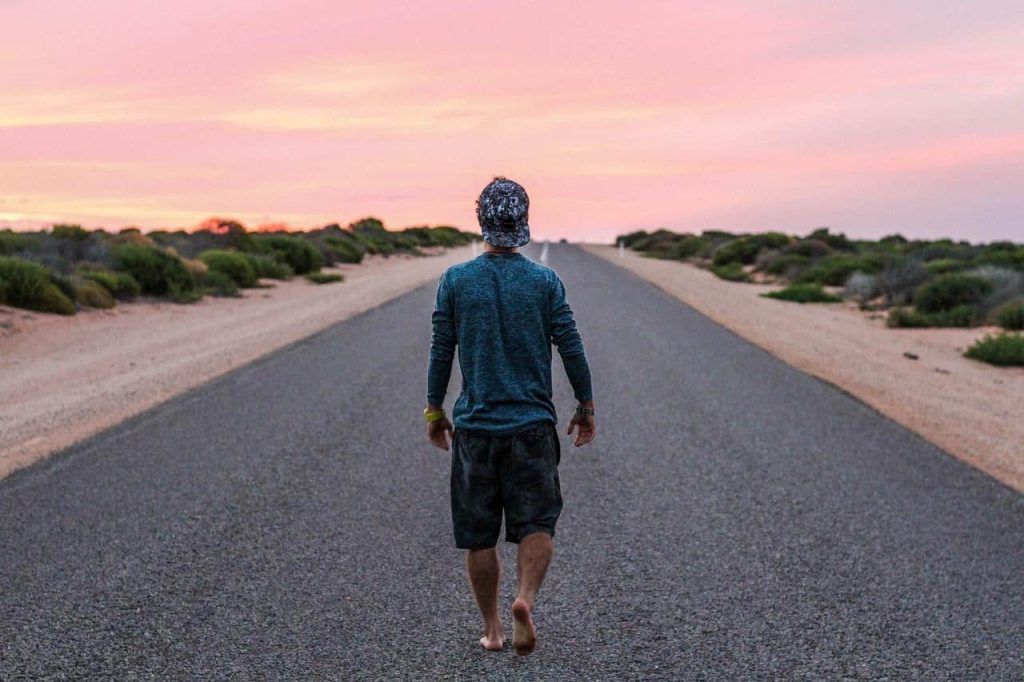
[
  {"x": 63, "y": 379},
  {"x": 970, "y": 409}
]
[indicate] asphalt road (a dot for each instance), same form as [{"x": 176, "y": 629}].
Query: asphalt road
[{"x": 735, "y": 519}]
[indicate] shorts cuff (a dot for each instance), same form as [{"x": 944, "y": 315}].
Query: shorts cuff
[{"x": 515, "y": 538}]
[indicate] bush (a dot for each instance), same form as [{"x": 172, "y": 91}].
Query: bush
[
  {"x": 741, "y": 251},
  {"x": 839, "y": 242},
  {"x": 944, "y": 266},
  {"x": 64, "y": 283},
  {"x": 1002, "y": 254},
  {"x": 121, "y": 285},
  {"x": 809, "y": 248},
  {"x": 950, "y": 291},
  {"x": 900, "y": 278},
  {"x": 786, "y": 264},
  {"x": 861, "y": 287},
  {"x": 1007, "y": 285},
  {"x": 834, "y": 270},
  {"x": 11, "y": 242},
  {"x": 158, "y": 273},
  {"x": 231, "y": 263},
  {"x": 745, "y": 249},
  {"x": 960, "y": 316},
  {"x": 629, "y": 240},
  {"x": 803, "y": 293},
  {"x": 1010, "y": 315},
  {"x": 93, "y": 295},
  {"x": 216, "y": 283},
  {"x": 297, "y": 253},
  {"x": 732, "y": 272},
  {"x": 688, "y": 247},
  {"x": 346, "y": 250},
  {"x": 324, "y": 277},
  {"x": 1004, "y": 350},
  {"x": 28, "y": 285},
  {"x": 268, "y": 268}
]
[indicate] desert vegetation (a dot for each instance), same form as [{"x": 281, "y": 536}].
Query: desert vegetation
[
  {"x": 914, "y": 283},
  {"x": 67, "y": 268}
]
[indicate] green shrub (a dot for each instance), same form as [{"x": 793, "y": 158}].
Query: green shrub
[
  {"x": 1004, "y": 350},
  {"x": 732, "y": 272},
  {"x": 809, "y": 248},
  {"x": 121, "y": 285},
  {"x": 64, "y": 283},
  {"x": 29, "y": 285},
  {"x": 900, "y": 278},
  {"x": 93, "y": 294},
  {"x": 839, "y": 242},
  {"x": 949, "y": 291},
  {"x": 231, "y": 263},
  {"x": 297, "y": 253},
  {"x": 745, "y": 249},
  {"x": 346, "y": 250},
  {"x": 72, "y": 232},
  {"x": 158, "y": 273},
  {"x": 1003, "y": 254},
  {"x": 960, "y": 316},
  {"x": 267, "y": 268},
  {"x": 629, "y": 240},
  {"x": 900, "y": 318},
  {"x": 785, "y": 264},
  {"x": 804, "y": 293},
  {"x": 216, "y": 283},
  {"x": 688, "y": 247},
  {"x": 11, "y": 242},
  {"x": 1010, "y": 315},
  {"x": 324, "y": 277},
  {"x": 944, "y": 266},
  {"x": 834, "y": 270}
]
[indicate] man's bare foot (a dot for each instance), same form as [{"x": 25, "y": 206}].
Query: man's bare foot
[
  {"x": 493, "y": 643},
  {"x": 524, "y": 636}
]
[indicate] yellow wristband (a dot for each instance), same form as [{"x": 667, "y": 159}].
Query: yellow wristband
[{"x": 433, "y": 415}]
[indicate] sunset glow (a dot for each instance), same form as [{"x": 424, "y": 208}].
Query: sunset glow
[{"x": 870, "y": 117}]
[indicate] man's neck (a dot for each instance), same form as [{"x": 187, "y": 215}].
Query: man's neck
[{"x": 490, "y": 248}]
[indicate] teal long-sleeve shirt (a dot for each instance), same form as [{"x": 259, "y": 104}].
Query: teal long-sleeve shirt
[{"x": 503, "y": 312}]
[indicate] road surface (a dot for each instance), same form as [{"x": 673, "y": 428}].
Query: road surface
[{"x": 735, "y": 519}]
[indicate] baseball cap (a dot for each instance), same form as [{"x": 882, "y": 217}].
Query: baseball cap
[{"x": 503, "y": 213}]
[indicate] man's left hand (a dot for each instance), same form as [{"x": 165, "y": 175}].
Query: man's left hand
[{"x": 439, "y": 432}]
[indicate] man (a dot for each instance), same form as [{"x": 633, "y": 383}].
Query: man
[{"x": 503, "y": 312}]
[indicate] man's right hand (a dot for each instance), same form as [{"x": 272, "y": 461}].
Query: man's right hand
[{"x": 585, "y": 426}]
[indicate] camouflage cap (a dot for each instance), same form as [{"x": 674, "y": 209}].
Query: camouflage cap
[{"x": 503, "y": 213}]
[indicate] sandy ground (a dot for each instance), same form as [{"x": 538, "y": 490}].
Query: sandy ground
[
  {"x": 64, "y": 379},
  {"x": 970, "y": 409}
]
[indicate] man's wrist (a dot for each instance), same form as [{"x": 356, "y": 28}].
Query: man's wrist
[
  {"x": 585, "y": 408},
  {"x": 433, "y": 413}
]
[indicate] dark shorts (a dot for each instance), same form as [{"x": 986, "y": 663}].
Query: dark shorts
[{"x": 516, "y": 474}]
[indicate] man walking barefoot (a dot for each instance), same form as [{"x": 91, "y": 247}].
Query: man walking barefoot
[{"x": 504, "y": 312}]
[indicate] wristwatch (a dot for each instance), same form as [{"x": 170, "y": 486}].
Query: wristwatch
[{"x": 585, "y": 411}]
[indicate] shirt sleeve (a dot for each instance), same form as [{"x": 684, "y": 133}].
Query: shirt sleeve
[
  {"x": 442, "y": 345},
  {"x": 567, "y": 339}
]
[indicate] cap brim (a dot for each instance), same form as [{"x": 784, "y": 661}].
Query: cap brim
[{"x": 508, "y": 240}]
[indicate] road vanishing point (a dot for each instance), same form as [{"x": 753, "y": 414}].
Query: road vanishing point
[{"x": 735, "y": 519}]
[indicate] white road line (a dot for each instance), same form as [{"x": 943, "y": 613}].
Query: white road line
[{"x": 544, "y": 253}]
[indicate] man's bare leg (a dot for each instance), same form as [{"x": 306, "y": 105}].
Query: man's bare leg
[
  {"x": 534, "y": 556},
  {"x": 485, "y": 575}
]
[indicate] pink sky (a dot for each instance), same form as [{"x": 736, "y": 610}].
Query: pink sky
[{"x": 871, "y": 117}]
